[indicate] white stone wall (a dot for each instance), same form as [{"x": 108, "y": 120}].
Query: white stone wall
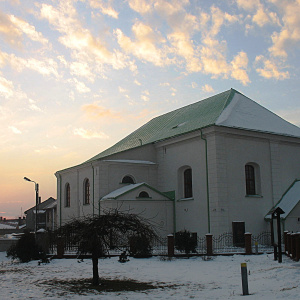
[
  {"x": 157, "y": 212},
  {"x": 229, "y": 150},
  {"x": 279, "y": 164},
  {"x": 187, "y": 151}
]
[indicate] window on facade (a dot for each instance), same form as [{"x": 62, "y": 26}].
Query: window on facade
[
  {"x": 86, "y": 194},
  {"x": 128, "y": 179},
  {"x": 67, "y": 195},
  {"x": 188, "y": 183},
  {"x": 250, "y": 180},
  {"x": 143, "y": 194}
]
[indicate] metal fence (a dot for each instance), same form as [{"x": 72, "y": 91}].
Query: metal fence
[
  {"x": 262, "y": 242},
  {"x": 222, "y": 244}
]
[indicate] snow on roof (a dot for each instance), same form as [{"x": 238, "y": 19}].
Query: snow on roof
[
  {"x": 40, "y": 211},
  {"x": 289, "y": 200},
  {"x": 243, "y": 112},
  {"x": 122, "y": 190},
  {"x": 6, "y": 226},
  {"x": 229, "y": 109},
  {"x": 144, "y": 162}
]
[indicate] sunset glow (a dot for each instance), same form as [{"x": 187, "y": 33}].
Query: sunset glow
[{"x": 76, "y": 76}]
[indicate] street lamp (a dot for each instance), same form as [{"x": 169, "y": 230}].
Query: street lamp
[{"x": 36, "y": 200}]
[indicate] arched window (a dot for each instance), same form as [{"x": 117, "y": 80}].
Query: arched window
[
  {"x": 86, "y": 191},
  {"x": 143, "y": 194},
  {"x": 128, "y": 179},
  {"x": 67, "y": 195},
  {"x": 188, "y": 183},
  {"x": 252, "y": 177}
]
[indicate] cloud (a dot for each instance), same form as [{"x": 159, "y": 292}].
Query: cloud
[
  {"x": 79, "y": 39},
  {"x": 137, "y": 82},
  {"x": 89, "y": 134},
  {"x": 207, "y": 88},
  {"x": 170, "y": 8},
  {"x": 79, "y": 85},
  {"x": 263, "y": 17},
  {"x": 269, "y": 69},
  {"x": 145, "y": 98},
  {"x": 141, "y": 6},
  {"x": 45, "y": 66},
  {"x": 248, "y": 5},
  {"x": 122, "y": 90},
  {"x": 82, "y": 69},
  {"x": 6, "y": 87},
  {"x": 239, "y": 66},
  {"x": 144, "y": 46},
  {"x": 194, "y": 85},
  {"x": 183, "y": 46},
  {"x": 29, "y": 30},
  {"x": 213, "y": 58},
  {"x": 9, "y": 31},
  {"x": 8, "y": 91},
  {"x": 15, "y": 130},
  {"x": 96, "y": 111},
  {"x": 12, "y": 29},
  {"x": 219, "y": 18},
  {"x": 105, "y": 8},
  {"x": 290, "y": 31}
]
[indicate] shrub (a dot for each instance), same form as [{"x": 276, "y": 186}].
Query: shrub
[
  {"x": 25, "y": 249},
  {"x": 140, "y": 247},
  {"x": 185, "y": 242}
]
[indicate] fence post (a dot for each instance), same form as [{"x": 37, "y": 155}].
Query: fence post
[
  {"x": 209, "y": 244},
  {"x": 248, "y": 243},
  {"x": 170, "y": 245},
  {"x": 289, "y": 244},
  {"x": 285, "y": 238},
  {"x": 60, "y": 247},
  {"x": 297, "y": 241},
  {"x": 294, "y": 245}
]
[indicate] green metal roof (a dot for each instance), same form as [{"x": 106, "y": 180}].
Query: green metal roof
[{"x": 180, "y": 121}]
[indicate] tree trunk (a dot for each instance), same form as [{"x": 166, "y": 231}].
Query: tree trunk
[{"x": 95, "y": 268}]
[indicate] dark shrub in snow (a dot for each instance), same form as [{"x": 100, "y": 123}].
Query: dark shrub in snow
[
  {"x": 140, "y": 246},
  {"x": 25, "y": 249},
  {"x": 185, "y": 242}
]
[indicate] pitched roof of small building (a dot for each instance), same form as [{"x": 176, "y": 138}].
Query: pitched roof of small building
[
  {"x": 49, "y": 203},
  {"x": 131, "y": 187},
  {"x": 229, "y": 109},
  {"x": 288, "y": 201}
]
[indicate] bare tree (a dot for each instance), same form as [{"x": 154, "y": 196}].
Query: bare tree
[{"x": 95, "y": 234}]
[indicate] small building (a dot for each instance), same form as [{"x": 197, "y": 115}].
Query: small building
[{"x": 46, "y": 215}]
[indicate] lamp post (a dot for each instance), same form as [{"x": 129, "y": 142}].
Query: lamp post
[{"x": 36, "y": 201}]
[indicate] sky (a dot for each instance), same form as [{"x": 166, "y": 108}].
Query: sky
[{"x": 76, "y": 76}]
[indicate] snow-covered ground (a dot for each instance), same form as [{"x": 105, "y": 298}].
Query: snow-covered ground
[{"x": 194, "y": 278}]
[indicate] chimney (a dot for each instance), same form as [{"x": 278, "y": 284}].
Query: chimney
[{"x": 40, "y": 200}]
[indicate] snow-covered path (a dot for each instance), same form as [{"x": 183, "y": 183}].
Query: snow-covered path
[{"x": 194, "y": 278}]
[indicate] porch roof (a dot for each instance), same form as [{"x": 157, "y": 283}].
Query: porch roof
[{"x": 288, "y": 201}]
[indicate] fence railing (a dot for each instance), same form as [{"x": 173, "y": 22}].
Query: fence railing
[{"x": 207, "y": 245}]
